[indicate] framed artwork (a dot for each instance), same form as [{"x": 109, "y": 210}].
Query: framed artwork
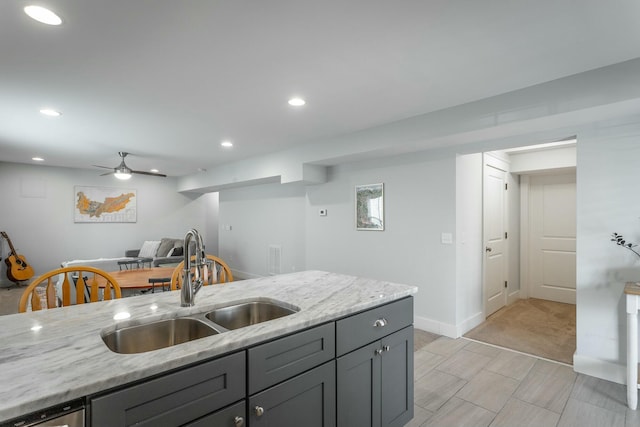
[
  {"x": 370, "y": 207},
  {"x": 103, "y": 204}
]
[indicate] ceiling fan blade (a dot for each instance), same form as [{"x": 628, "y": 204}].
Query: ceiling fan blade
[
  {"x": 108, "y": 173},
  {"x": 106, "y": 167},
  {"x": 149, "y": 173}
]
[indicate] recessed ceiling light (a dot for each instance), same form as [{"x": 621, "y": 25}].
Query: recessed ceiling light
[
  {"x": 37, "y": 159},
  {"x": 43, "y": 15},
  {"x": 226, "y": 144},
  {"x": 297, "y": 102},
  {"x": 50, "y": 112}
]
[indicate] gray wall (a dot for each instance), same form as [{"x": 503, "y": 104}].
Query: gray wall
[
  {"x": 419, "y": 204},
  {"x": 43, "y": 230},
  {"x": 253, "y": 218},
  {"x": 607, "y": 202}
]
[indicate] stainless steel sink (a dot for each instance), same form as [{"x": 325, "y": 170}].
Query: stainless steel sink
[
  {"x": 156, "y": 335},
  {"x": 248, "y": 313}
]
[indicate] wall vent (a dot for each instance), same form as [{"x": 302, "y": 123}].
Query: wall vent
[{"x": 275, "y": 259}]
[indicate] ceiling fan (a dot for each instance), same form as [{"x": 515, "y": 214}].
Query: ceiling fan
[{"x": 122, "y": 171}]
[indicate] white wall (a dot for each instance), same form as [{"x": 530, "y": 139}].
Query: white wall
[
  {"x": 259, "y": 216},
  {"x": 607, "y": 202},
  {"x": 43, "y": 230},
  {"x": 469, "y": 247}
]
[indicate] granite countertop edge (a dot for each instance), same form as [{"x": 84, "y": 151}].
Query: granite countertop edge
[{"x": 49, "y": 366}]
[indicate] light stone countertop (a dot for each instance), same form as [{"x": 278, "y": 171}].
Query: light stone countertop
[{"x": 67, "y": 358}]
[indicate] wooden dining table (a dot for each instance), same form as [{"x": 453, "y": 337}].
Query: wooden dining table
[{"x": 138, "y": 278}]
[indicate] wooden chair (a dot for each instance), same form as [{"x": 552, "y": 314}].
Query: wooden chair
[
  {"x": 221, "y": 273},
  {"x": 55, "y": 288}
]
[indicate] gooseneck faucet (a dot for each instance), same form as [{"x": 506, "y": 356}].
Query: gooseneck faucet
[{"x": 191, "y": 284}]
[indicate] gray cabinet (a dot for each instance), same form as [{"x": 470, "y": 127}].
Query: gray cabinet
[
  {"x": 287, "y": 386},
  {"x": 375, "y": 381},
  {"x": 355, "y": 372},
  {"x": 174, "y": 399},
  {"x": 307, "y": 400}
]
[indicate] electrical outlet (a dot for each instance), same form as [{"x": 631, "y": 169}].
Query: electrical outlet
[{"x": 446, "y": 238}]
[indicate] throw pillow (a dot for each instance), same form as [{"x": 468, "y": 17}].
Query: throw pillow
[
  {"x": 166, "y": 244},
  {"x": 149, "y": 249}
]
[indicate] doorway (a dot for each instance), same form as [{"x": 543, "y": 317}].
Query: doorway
[{"x": 539, "y": 305}]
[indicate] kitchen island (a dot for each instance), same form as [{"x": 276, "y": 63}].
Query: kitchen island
[{"x": 56, "y": 356}]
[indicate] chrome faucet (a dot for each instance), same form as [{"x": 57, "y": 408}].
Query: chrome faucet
[{"x": 191, "y": 285}]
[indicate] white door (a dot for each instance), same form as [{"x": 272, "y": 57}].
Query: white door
[
  {"x": 495, "y": 227},
  {"x": 552, "y": 238}
]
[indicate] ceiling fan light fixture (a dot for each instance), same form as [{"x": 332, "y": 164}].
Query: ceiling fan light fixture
[
  {"x": 42, "y": 15},
  {"x": 122, "y": 173}
]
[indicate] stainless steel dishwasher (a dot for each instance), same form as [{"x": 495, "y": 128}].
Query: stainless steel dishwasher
[{"x": 70, "y": 414}]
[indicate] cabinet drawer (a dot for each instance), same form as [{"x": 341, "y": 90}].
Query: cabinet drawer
[
  {"x": 176, "y": 398},
  {"x": 233, "y": 416},
  {"x": 371, "y": 325},
  {"x": 286, "y": 357}
]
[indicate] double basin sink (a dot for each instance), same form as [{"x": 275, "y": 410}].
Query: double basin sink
[{"x": 165, "y": 333}]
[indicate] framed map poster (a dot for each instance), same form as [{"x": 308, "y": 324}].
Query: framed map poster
[{"x": 103, "y": 204}]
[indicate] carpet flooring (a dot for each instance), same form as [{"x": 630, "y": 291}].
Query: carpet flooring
[{"x": 537, "y": 327}]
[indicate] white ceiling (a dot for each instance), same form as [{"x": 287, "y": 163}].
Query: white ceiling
[{"x": 168, "y": 80}]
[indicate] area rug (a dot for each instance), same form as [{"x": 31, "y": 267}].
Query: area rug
[{"x": 538, "y": 327}]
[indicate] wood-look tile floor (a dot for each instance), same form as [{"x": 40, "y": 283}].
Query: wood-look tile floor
[{"x": 466, "y": 383}]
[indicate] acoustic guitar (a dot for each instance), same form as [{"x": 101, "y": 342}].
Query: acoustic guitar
[{"x": 17, "y": 267}]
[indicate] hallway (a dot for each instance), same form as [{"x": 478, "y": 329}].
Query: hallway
[{"x": 538, "y": 327}]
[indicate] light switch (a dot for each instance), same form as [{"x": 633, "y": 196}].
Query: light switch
[{"x": 446, "y": 238}]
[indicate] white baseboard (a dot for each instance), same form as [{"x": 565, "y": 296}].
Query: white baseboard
[
  {"x": 513, "y": 297},
  {"x": 470, "y": 323},
  {"x": 447, "y": 329},
  {"x": 434, "y": 326},
  {"x": 600, "y": 369}
]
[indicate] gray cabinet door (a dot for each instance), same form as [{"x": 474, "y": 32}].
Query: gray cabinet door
[
  {"x": 173, "y": 399},
  {"x": 397, "y": 378},
  {"x": 307, "y": 400},
  {"x": 375, "y": 383},
  {"x": 358, "y": 387}
]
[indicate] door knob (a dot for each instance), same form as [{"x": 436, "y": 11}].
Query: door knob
[
  {"x": 259, "y": 410},
  {"x": 378, "y": 351},
  {"x": 487, "y": 249},
  {"x": 238, "y": 421}
]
